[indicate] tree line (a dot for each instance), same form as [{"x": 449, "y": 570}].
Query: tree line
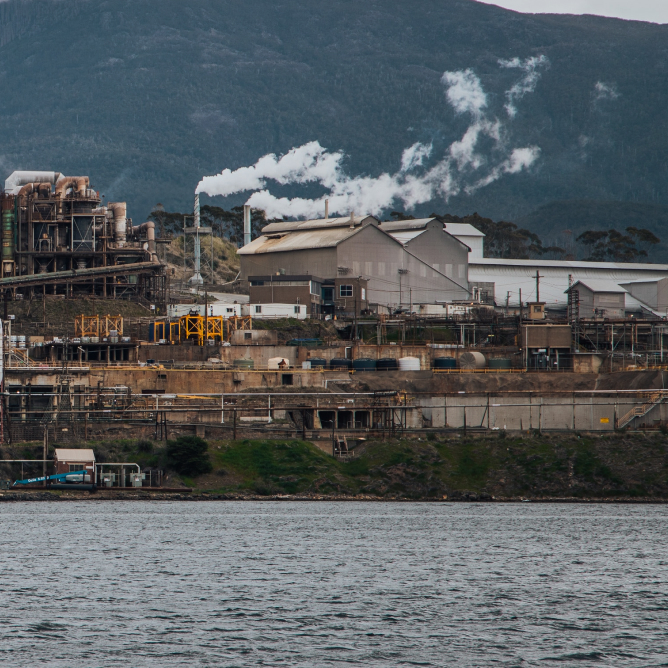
[{"x": 225, "y": 224}]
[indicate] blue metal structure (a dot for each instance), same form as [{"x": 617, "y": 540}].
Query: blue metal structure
[{"x": 59, "y": 476}]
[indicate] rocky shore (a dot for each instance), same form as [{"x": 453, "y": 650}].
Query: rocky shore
[{"x": 461, "y": 497}]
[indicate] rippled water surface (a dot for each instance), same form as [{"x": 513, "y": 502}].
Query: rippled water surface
[{"x": 109, "y": 583}]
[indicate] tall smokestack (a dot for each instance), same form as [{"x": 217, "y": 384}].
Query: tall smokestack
[
  {"x": 326, "y": 209},
  {"x": 247, "y": 224},
  {"x": 196, "y": 278}
]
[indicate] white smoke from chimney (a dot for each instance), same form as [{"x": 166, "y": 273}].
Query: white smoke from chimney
[
  {"x": 414, "y": 156},
  {"x": 465, "y": 93},
  {"x": 463, "y": 168},
  {"x": 525, "y": 85}
]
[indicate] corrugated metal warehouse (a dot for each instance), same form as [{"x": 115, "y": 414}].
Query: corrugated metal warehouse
[{"x": 397, "y": 272}]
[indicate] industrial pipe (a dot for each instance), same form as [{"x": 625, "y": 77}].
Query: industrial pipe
[
  {"x": 149, "y": 228},
  {"x": 79, "y": 183},
  {"x": 119, "y": 211},
  {"x": 26, "y": 189},
  {"x": 20, "y": 178}
]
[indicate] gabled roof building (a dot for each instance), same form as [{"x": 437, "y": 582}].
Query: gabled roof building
[{"x": 424, "y": 266}]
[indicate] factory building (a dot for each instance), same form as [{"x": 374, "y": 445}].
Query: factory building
[
  {"x": 341, "y": 296},
  {"x": 598, "y": 299},
  {"x": 359, "y": 261},
  {"x": 427, "y": 239},
  {"x": 59, "y": 238},
  {"x": 652, "y": 294},
  {"x": 407, "y": 263},
  {"x": 406, "y": 230},
  {"x": 508, "y": 276},
  {"x": 68, "y": 460}
]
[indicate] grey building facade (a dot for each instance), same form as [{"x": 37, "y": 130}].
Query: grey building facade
[
  {"x": 599, "y": 299},
  {"x": 426, "y": 270}
]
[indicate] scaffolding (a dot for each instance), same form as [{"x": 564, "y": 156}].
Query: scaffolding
[
  {"x": 94, "y": 325},
  {"x": 198, "y": 328}
]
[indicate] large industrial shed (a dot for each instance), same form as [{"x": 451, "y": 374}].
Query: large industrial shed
[
  {"x": 599, "y": 299},
  {"x": 334, "y": 248},
  {"x": 427, "y": 239},
  {"x": 509, "y": 276}
]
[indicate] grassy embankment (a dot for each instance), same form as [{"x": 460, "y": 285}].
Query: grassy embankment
[{"x": 534, "y": 466}]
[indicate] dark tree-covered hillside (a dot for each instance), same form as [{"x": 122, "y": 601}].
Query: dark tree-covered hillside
[{"x": 147, "y": 96}]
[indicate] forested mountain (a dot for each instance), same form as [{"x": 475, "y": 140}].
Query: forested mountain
[{"x": 147, "y": 96}]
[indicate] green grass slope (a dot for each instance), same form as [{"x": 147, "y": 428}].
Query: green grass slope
[{"x": 617, "y": 465}]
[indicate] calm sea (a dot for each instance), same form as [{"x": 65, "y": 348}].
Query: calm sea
[{"x": 109, "y": 583}]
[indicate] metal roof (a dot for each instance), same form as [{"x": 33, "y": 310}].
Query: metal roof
[
  {"x": 573, "y": 264},
  {"x": 398, "y": 225},
  {"x": 599, "y": 285},
  {"x": 405, "y": 237},
  {"x": 462, "y": 230},
  {"x": 322, "y": 223},
  {"x": 647, "y": 281},
  {"x": 296, "y": 240},
  {"x": 75, "y": 455},
  {"x": 455, "y": 229}
]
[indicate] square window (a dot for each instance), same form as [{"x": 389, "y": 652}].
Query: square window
[
  {"x": 296, "y": 309},
  {"x": 345, "y": 290},
  {"x": 258, "y": 308}
]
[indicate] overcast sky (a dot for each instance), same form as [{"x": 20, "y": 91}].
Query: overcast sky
[{"x": 638, "y": 10}]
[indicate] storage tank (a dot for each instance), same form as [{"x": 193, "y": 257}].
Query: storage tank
[
  {"x": 409, "y": 363},
  {"x": 317, "y": 362},
  {"x": 276, "y": 363},
  {"x": 340, "y": 363},
  {"x": 387, "y": 364},
  {"x": 243, "y": 363},
  {"x": 472, "y": 360},
  {"x": 445, "y": 363},
  {"x": 500, "y": 363},
  {"x": 364, "y": 364}
]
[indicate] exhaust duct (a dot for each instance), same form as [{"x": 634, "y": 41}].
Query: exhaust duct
[{"x": 119, "y": 211}]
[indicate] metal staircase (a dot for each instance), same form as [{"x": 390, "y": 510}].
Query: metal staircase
[{"x": 653, "y": 399}]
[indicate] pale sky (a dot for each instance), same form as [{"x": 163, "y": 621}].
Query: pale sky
[{"x": 655, "y": 11}]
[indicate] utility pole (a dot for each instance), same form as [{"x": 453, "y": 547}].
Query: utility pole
[{"x": 538, "y": 277}]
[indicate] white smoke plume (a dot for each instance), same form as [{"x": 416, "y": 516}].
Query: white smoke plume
[
  {"x": 463, "y": 168},
  {"x": 525, "y": 85}
]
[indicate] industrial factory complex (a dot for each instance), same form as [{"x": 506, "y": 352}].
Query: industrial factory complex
[{"x": 335, "y": 328}]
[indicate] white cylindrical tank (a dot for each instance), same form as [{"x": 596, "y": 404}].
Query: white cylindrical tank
[
  {"x": 276, "y": 363},
  {"x": 472, "y": 360},
  {"x": 409, "y": 363}
]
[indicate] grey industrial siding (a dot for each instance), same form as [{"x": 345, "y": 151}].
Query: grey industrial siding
[
  {"x": 371, "y": 253},
  {"x": 377, "y": 256},
  {"x": 316, "y": 262}
]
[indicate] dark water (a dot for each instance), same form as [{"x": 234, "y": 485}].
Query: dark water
[{"x": 325, "y": 584}]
